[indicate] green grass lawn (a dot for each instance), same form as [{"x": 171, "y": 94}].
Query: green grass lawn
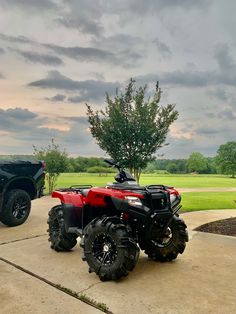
[
  {"x": 179, "y": 181},
  {"x": 191, "y": 201},
  {"x": 208, "y": 200}
]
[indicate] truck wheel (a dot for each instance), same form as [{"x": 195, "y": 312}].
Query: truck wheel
[
  {"x": 16, "y": 208},
  {"x": 108, "y": 249},
  {"x": 167, "y": 248},
  {"x": 59, "y": 238}
]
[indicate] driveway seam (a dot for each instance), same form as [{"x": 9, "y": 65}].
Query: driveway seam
[
  {"x": 69, "y": 292},
  {"x": 23, "y": 239}
]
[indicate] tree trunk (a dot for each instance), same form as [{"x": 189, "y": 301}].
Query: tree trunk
[
  {"x": 137, "y": 173},
  {"x": 51, "y": 178}
]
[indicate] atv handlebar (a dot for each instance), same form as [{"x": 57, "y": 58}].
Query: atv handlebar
[{"x": 112, "y": 163}]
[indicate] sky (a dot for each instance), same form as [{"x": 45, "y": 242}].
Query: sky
[{"x": 55, "y": 56}]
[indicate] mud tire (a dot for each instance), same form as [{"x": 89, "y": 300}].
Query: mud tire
[
  {"x": 59, "y": 238},
  {"x": 170, "y": 250},
  {"x": 108, "y": 249}
]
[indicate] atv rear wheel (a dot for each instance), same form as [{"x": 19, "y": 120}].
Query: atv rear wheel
[
  {"x": 170, "y": 245},
  {"x": 59, "y": 238},
  {"x": 108, "y": 249}
]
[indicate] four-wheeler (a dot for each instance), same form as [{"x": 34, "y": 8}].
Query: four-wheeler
[{"x": 116, "y": 221}]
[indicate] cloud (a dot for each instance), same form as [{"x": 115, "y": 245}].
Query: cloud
[
  {"x": 163, "y": 49},
  {"x": 17, "y": 39},
  {"x": 16, "y": 119},
  {"x": 89, "y": 19},
  {"x": 81, "y": 120},
  {"x": 2, "y": 51},
  {"x": 125, "y": 57},
  {"x": 35, "y": 57},
  {"x": 179, "y": 78},
  {"x": 224, "y": 59},
  {"x": 120, "y": 41},
  {"x": 57, "y": 98},
  {"x": 84, "y": 53},
  {"x": 2, "y": 76},
  {"x": 190, "y": 78},
  {"x": 88, "y": 90},
  {"x": 24, "y": 128},
  {"x": 208, "y": 131},
  {"x": 82, "y": 15},
  {"x": 182, "y": 4},
  {"x": 153, "y": 7},
  {"x": 29, "y": 5},
  {"x": 219, "y": 93},
  {"x": 227, "y": 114},
  {"x": 82, "y": 24},
  {"x": 128, "y": 50},
  {"x": 120, "y": 57}
]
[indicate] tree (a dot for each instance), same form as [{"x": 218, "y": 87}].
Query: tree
[
  {"x": 226, "y": 158},
  {"x": 172, "y": 167},
  {"x": 56, "y": 162},
  {"x": 196, "y": 162},
  {"x": 132, "y": 127}
]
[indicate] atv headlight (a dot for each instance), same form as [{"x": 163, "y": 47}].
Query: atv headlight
[
  {"x": 172, "y": 198},
  {"x": 133, "y": 201}
]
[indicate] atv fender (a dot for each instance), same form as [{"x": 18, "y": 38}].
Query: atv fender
[
  {"x": 73, "y": 216},
  {"x": 76, "y": 200}
]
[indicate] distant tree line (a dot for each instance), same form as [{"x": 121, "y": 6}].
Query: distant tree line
[
  {"x": 88, "y": 164},
  {"x": 195, "y": 163},
  {"x": 58, "y": 161}
]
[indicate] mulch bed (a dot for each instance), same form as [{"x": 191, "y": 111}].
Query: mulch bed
[{"x": 224, "y": 226}]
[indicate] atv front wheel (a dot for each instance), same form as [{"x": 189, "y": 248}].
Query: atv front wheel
[
  {"x": 59, "y": 238},
  {"x": 167, "y": 247},
  {"x": 108, "y": 249}
]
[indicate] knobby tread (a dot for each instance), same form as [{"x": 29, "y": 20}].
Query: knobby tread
[
  {"x": 127, "y": 249},
  {"x": 175, "y": 247},
  {"x": 59, "y": 238}
]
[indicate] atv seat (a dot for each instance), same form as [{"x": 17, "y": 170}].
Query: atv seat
[{"x": 84, "y": 192}]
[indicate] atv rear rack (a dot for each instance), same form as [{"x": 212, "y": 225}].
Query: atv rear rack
[{"x": 75, "y": 188}]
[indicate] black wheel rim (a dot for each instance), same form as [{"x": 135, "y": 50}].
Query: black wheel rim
[
  {"x": 165, "y": 240},
  {"x": 20, "y": 208},
  {"x": 104, "y": 249}
]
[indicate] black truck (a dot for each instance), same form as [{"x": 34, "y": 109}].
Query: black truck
[{"x": 20, "y": 182}]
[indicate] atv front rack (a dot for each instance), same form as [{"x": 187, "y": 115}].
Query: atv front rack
[
  {"x": 159, "y": 186},
  {"x": 140, "y": 188}
]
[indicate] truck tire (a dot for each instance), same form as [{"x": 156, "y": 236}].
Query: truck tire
[
  {"x": 16, "y": 208},
  {"x": 167, "y": 248},
  {"x": 59, "y": 238},
  {"x": 108, "y": 249}
]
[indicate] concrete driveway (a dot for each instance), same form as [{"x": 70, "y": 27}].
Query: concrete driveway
[{"x": 202, "y": 280}]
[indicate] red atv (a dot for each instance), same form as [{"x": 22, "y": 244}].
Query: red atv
[{"x": 115, "y": 221}]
